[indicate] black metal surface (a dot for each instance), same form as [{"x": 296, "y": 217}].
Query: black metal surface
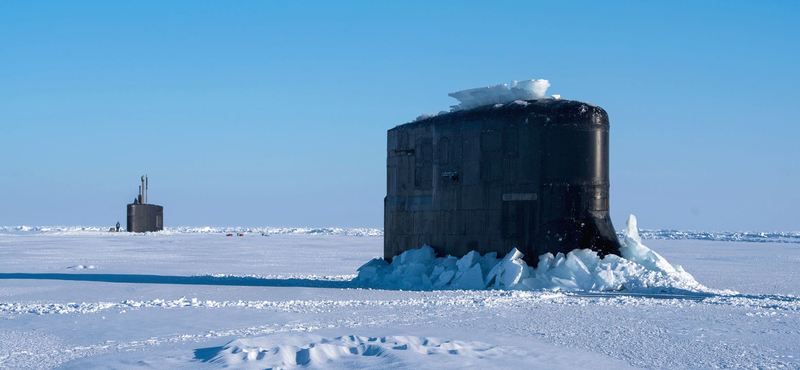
[
  {"x": 145, "y": 217},
  {"x": 530, "y": 176}
]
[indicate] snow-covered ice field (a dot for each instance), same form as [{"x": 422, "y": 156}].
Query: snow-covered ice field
[{"x": 78, "y": 299}]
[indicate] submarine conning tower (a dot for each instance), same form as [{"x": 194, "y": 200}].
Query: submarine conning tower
[
  {"x": 531, "y": 175},
  {"x": 142, "y": 216}
]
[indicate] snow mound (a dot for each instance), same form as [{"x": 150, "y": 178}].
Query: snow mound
[
  {"x": 425, "y": 116},
  {"x": 82, "y": 267},
  {"x": 640, "y": 269},
  {"x": 375, "y": 352},
  {"x": 500, "y": 94}
]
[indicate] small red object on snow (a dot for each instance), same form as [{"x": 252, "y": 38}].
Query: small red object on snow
[
  {"x": 229, "y": 235},
  {"x": 241, "y": 234}
]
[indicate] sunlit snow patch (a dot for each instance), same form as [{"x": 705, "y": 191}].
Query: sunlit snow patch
[{"x": 640, "y": 269}]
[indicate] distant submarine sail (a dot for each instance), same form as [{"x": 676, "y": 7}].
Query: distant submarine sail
[{"x": 142, "y": 216}]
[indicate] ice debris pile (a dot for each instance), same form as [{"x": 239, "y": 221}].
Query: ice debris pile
[
  {"x": 640, "y": 269},
  {"x": 500, "y": 94}
]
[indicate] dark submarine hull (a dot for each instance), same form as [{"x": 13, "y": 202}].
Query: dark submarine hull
[
  {"x": 530, "y": 175},
  {"x": 145, "y": 218}
]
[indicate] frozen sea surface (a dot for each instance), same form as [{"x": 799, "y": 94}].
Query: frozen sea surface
[{"x": 81, "y": 298}]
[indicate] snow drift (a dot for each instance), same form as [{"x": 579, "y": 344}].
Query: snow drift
[
  {"x": 640, "y": 269},
  {"x": 375, "y": 352}
]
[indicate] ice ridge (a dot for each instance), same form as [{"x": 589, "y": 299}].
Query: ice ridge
[
  {"x": 646, "y": 234},
  {"x": 640, "y": 269},
  {"x": 73, "y": 230}
]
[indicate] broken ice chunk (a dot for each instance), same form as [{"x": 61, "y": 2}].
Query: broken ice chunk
[
  {"x": 529, "y": 90},
  {"x": 500, "y": 94}
]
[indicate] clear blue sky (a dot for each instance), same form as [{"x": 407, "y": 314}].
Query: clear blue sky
[{"x": 259, "y": 113}]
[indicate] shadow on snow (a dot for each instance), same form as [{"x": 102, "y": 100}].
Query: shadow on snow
[
  {"x": 333, "y": 284},
  {"x": 183, "y": 280}
]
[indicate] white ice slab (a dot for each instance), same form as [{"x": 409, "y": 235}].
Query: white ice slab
[{"x": 500, "y": 94}]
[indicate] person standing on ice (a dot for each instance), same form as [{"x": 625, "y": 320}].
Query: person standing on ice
[{"x": 117, "y": 226}]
